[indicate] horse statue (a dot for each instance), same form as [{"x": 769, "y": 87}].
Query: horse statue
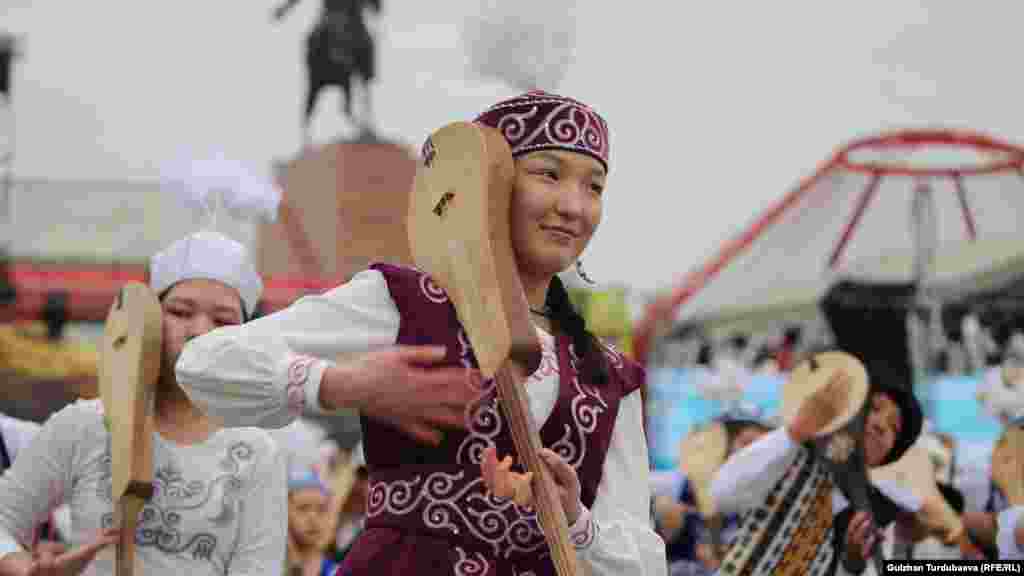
[{"x": 339, "y": 49}]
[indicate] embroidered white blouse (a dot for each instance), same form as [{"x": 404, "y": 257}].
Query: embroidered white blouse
[
  {"x": 261, "y": 373},
  {"x": 217, "y": 509}
]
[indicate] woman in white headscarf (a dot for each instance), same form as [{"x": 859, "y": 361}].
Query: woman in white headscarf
[{"x": 219, "y": 499}]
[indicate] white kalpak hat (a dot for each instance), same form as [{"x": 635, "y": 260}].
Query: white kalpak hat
[{"x": 208, "y": 254}]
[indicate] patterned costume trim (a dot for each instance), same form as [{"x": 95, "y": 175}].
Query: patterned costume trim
[
  {"x": 585, "y": 531},
  {"x": 456, "y": 501},
  {"x": 790, "y": 533},
  {"x": 538, "y": 120},
  {"x": 467, "y": 565},
  {"x": 430, "y": 502},
  {"x": 448, "y": 502},
  {"x": 175, "y": 496},
  {"x": 587, "y": 406},
  {"x": 298, "y": 374}
]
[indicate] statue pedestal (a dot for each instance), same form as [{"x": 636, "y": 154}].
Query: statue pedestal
[{"x": 343, "y": 206}]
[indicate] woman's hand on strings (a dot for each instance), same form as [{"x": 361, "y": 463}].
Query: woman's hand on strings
[
  {"x": 911, "y": 528},
  {"x": 54, "y": 559},
  {"x": 567, "y": 482},
  {"x": 504, "y": 483},
  {"x": 403, "y": 386},
  {"x": 861, "y": 539}
]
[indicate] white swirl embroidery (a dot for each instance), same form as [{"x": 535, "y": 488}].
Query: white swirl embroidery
[
  {"x": 453, "y": 505},
  {"x": 397, "y": 497},
  {"x": 298, "y": 373},
  {"x": 465, "y": 351},
  {"x": 566, "y": 130},
  {"x": 467, "y": 566},
  {"x": 579, "y": 126},
  {"x": 484, "y": 424},
  {"x": 614, "y": 356},
  {"x": 513, "y": 126},
  {"x": 587, "y": 405},
  {"x": 548, "y": 363},
  {"x": 461, "y": 501},
  {"x": 432, "y": 291},
  {"x": 565, "y": 448},
  {"x": 483, "y": 420},
  {"x": 583, "y": 538}
]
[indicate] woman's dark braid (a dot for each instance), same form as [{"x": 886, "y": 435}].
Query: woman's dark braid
[{"x": 568, "y": 320}]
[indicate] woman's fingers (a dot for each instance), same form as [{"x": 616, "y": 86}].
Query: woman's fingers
[
  {"x": 855, "y": 533},
  {"x": 564, "y": 474},
  {"x": 523, "y": 490},
  {"x": 488, "y": 464}
]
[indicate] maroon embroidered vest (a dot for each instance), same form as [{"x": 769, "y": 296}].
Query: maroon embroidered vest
[{"x": 439, "y": 491}]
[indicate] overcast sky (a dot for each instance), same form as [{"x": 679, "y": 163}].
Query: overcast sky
[{"x": 716, "y": 108}]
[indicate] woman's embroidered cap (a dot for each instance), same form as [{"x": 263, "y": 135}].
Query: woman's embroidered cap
[
  {"x": 207, "y": 255},
  {"x": 539, "y": 120}
]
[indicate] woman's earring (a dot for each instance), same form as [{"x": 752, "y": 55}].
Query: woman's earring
[{"x": 582, "y": 274}]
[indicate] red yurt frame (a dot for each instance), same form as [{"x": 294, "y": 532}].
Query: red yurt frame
[{"x": 996, "y": 157}]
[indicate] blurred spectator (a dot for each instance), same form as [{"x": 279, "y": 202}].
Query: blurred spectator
[
  {"x": 786, "y": 355},
  {"x": 739, "y": 350},
  {"x": 690, "y": 541},
  {"x": 1015, "y": 348},
  {"x": 308, "y": 519},
  {"x": 764, "y": 361},
  {"x": 706, "y": 354},
  {"x": 1004, "y": 471}
]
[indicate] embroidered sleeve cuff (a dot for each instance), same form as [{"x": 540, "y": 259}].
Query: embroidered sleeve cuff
[
  {"x": 312, "y": 387},
  {"x": 302, "y": 384},
  {"x": 583, "y": 533}
]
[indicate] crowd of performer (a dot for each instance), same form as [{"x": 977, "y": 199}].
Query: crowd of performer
[{"x": 246, "y": 485}]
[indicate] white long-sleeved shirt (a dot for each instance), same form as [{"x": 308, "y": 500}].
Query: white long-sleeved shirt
[
  {"x": 266, "y": 372},
  {"x": 749, "y": 476},
  {"x": 217, "y": 509}
]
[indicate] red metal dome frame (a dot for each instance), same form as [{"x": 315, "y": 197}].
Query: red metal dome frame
[{"x": 1002, "y": 157}]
